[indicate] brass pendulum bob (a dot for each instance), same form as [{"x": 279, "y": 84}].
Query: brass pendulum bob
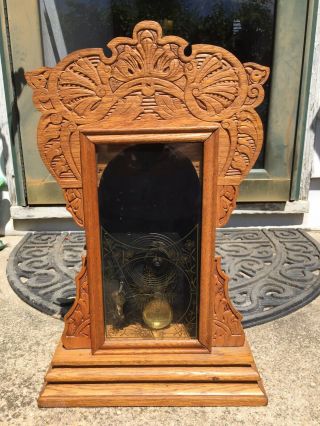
[{"x": 157, "y": 314}]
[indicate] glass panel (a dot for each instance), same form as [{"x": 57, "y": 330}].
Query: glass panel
[
  {"x": 245, "y": 27},
  {"x": 150, "y": 220}
]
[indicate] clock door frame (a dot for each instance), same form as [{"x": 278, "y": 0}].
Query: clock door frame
[{"x": 88, "y": 141}]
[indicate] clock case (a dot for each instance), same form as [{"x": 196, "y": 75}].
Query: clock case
[{"x": 149, "y": 92}]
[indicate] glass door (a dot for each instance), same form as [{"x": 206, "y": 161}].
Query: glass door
[{"x": 150, "y": 223}]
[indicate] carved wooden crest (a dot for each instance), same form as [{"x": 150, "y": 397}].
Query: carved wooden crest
[
  {"x": 148, "y": 79},
  {"x": 149, "y": 82}
]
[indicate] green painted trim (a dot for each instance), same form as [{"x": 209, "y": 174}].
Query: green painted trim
[
  {"x": 290, "y": 29},
  {"x": 304, "y": 99},
  {"x": 15, "y": 140},
  {"x": 285, "y": 85},
  {"x": 264, "y": 190}
]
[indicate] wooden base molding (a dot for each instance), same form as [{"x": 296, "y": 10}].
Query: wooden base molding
[{"x": 226, "y": 377}]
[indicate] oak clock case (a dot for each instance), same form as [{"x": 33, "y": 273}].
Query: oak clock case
[{"x": 149, "y": 147}]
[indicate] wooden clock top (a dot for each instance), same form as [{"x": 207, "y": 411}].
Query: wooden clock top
[{"x": 149, "y": 83}]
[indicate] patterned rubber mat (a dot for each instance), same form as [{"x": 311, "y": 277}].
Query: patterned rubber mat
[{"x": 273, "y": 272}]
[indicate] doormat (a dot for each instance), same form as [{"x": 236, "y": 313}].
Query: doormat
[{"x": 273, "y": 272}]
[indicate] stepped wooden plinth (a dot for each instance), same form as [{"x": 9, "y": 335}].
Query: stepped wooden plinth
[{"x": 227, "y": 377}]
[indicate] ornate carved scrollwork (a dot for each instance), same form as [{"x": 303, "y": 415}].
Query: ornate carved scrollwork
[
  {"x": 227, "y": 196},
  {"x": 257, "y": 76},
  {"x": 149, "y": 80},
  {"x": 38, "y": 81},
  {"x": 74, "y": 205},
  {"x": 228, "y": 330},
  {"x": 148, "y": 77},
  {"x": 57, "y": 138},
  {"x": 77, "y": 320}
]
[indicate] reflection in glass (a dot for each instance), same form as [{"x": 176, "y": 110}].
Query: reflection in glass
[{"x": 150, "y": 214}]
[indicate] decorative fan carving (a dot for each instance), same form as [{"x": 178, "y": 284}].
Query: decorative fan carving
[
  {"x": 84, "y": 87},
  {"x": 212, "y": 86}
]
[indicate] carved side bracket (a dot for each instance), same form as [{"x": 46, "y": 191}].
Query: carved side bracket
[
  {"x": 77, "y": 321},
  {"x": 228, "y": 330},
  {"x": 74, "y": 204}
]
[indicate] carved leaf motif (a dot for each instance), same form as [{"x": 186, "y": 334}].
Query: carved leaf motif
[
  {"x": 50, "y": 144},
  {"x": 129, "y": 108},
  {"x": 227, "y": 197},
  {"x": 54, "y": 145},
  {"x": 246, "y": 137},
  {"x": 77, "y": 320},
  {"x": 84, "y": 86},
  {"x": 249, "y": 137},
  {"x": 227, "y": 320},
  {"x": 245, "y": 140},
  {"x": 74, "y": 204},
  {"x": 169, "y": 107},
  {"x": 227, "y": 144},
  {"x": 212, "y": 87}
]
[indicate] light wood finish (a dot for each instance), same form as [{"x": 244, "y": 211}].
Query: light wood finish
[
  {"x": 209, "y": 209},
  {"x": 152, "y": 374},
  {"x": 225, "y": 317},
  {"x": 149, "y": 81},
  {"x": 93, "y": 245},
  {"x": 152, "y": 394},
  {"x": 227, "y": 376},
  {"x": 220, "y": 356},
  {"x": 77, "y": 320},
  {"x": 148, "y": 91},
  {"x": 152, "y": 137}
]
